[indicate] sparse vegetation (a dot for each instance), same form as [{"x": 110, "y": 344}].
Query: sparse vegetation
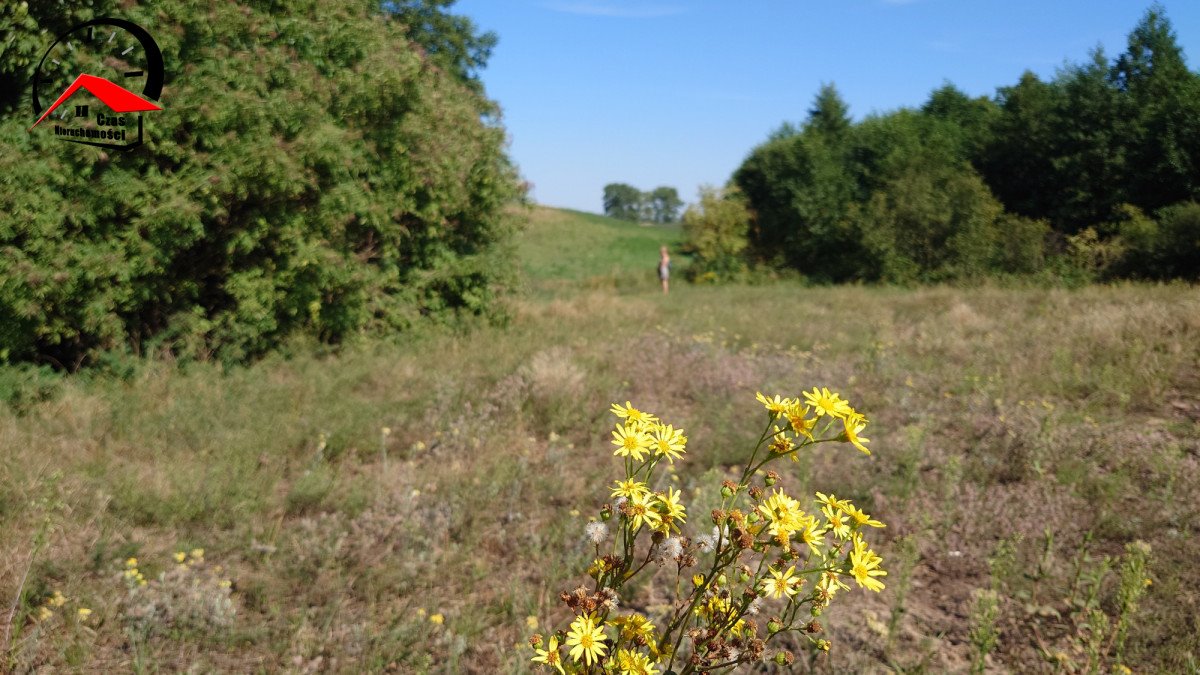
[{"x": 998, "y": 414}]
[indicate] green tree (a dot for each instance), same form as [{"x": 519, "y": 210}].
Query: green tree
[
  {"x": 829, "y": 115},
  {"x": 1161, "y": 107},
  {"x": 623, "y": 201},
  {"x": 799, "y": 187},
  {"x": 932, "y": 224},
  {"x": 333, "y": 184},
  {"x": 664, "y": 204},
  {"x": 972, "y": 119},
  {"x": 1018, "y": 160},
  {"x": 451, "y": 40}
]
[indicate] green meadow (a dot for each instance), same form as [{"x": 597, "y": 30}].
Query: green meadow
[{"x": 417, "y": 504}]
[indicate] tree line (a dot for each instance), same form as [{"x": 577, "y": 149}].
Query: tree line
[
  {"x": 1094, "y": 173},
  {"x": 660, "y": 205}
]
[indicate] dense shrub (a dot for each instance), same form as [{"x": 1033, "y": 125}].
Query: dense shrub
[
  {"x": 313, "y": 171},
  {"x": 1167, "y": 247},
  {"x": 716, "y": 232}
]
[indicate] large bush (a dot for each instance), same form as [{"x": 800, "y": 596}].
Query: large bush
[
  {"x": 313, "y": 171},
  {"x": 716, "y": 234}
]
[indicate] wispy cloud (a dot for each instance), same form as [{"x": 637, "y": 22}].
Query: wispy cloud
[{"x": 621, "y": 10}]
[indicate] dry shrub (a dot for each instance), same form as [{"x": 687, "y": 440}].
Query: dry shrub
[{"x": 554, "y": 387}]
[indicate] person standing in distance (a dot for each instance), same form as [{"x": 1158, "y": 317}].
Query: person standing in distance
[{"x": 664, "y": 268}]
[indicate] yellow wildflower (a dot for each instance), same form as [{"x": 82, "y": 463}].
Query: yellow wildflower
[
  {"x": 782, "y": 583},
  {"x": 854, "y": 423},
  {"x": 586, "y": 639},
  {"x": 634, "y": 625},
  {"x": 798, "y": 418},
  {"x": 180, "y": 556},
  {"x": 437, "y": 618},
  {"x": 628, "y": 488},
  {"x": 864, "y": 565},
  {"x": 781, "y": 445},
  {"x": 838, "y": 524},
  {"x": 635, "y": 663},
  {"x": 784, "y": 516},
  {"x": 832, "y": 501},
  {"x": 83, "y": 613},
  {"x": 630, "y": 442},
  {"x": 131, "y": 563},
  {"x": 197, "y": 554},
  {"x": 44, "y": 613},
  {"x": 531, "y": 622},
  {"x": 672, "y": 509},
  {"x": 550, "y": 655},
  {"x": 641, "y": 513},
  {"x": 811, "y": 534},
  {"x": 667, "y": 441},
  {"x": 776, "y": 406},
  {"x": 825, "y": 402},
  {"x": 861, "y": 518},
  {"x": 57, "y": 600},
  {"x": 830, "y": 582},
  {"x": 632, "y": 415}
]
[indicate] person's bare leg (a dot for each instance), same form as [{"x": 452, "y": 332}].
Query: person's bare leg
[{"x": 665, "y": 284}]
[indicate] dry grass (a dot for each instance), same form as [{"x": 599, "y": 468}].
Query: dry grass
[{"x": 998, "y": 415}]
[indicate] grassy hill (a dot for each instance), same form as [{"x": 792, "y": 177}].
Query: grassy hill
[
  {"x": 562, "y": 248},
  {"x": 417, "y": 505}
]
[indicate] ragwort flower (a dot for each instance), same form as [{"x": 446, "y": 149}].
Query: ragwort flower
[{"x": 586, "y": 639}]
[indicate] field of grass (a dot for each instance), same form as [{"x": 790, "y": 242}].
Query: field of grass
[{"x": 407, "y": 507}]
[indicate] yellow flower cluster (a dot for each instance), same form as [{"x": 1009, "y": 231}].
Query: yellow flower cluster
[
  {"x": 768, "y": 548},
  {"x": 45, "y": 612},
  {"x": 132, "y": 575},
  {"x": 819, "y": 403},
  {"x": 640, "y": 434}
]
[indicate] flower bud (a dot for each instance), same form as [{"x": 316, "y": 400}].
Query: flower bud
[
  {"x": 726, "y": 492},
  {"x": 815, "y": 611},
  {"x": 771, "y": 479},
  {"x": 606, "y": 512},
  {"x": 784, "y": 658},
  {"x": 773, "y": 627}
]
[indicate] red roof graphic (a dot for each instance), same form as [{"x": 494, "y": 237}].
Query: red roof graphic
[{"x": 114, "y": 96}]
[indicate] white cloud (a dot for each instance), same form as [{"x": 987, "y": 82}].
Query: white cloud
[{"x": 622, "y": 10}]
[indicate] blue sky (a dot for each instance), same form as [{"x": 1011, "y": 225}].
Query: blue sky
[{"x": 676, "y": 92}]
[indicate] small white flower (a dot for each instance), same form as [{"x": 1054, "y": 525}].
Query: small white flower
[
  {"x": 668, "y": 549},
  {"x": 596, "y": 532}
]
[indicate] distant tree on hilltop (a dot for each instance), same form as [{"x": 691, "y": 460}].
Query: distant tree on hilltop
[{"x": 626, "y": 202}]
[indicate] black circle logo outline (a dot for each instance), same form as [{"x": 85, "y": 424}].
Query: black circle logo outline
[{"x": 154, "y": 65}]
